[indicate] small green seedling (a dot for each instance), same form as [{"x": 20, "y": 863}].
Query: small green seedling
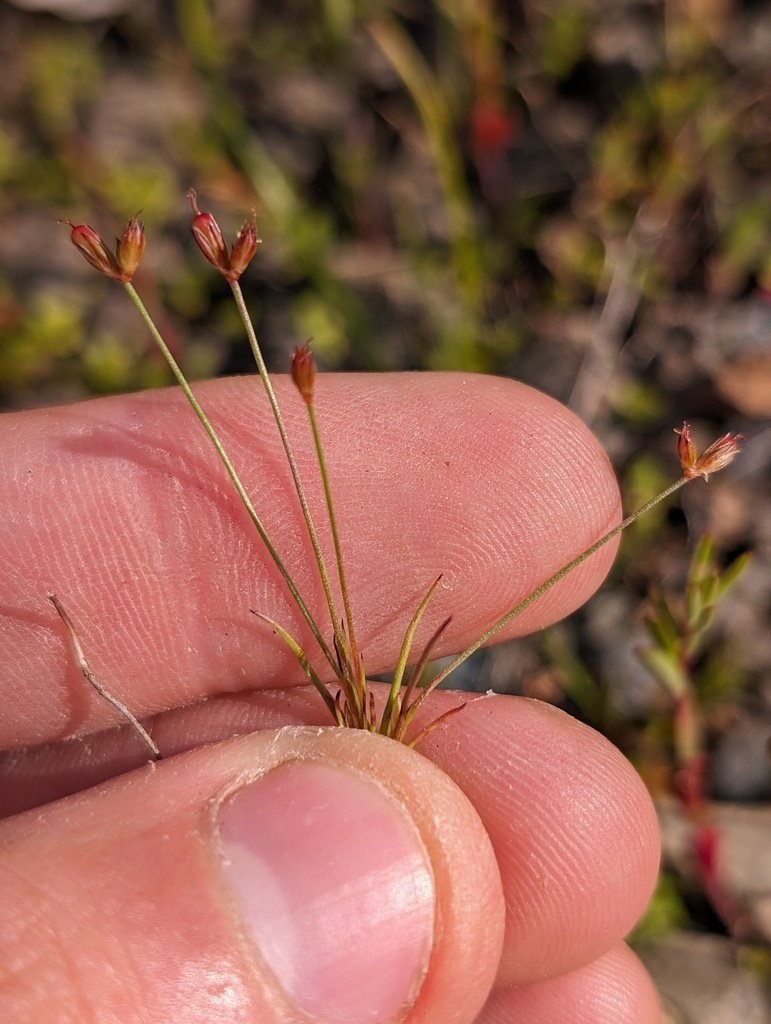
[{"x": 678, "y": 628}]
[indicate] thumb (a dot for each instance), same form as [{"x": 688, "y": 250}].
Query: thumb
[{"x": 301, "y": 874}]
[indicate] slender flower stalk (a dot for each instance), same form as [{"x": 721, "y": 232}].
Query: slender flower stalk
[
  {"x": 719, "y": 455},
  {"x": 304, "y": 376},
  {"x": 340, "y": 640},
  {"x": 232, "y": 472},
  {"x": 353, "y": 703},
  {"x": 231, "y": 264},
  {"x": 560, "y": 574}
]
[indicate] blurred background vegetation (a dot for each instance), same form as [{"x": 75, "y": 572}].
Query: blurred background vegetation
[{"x": 571, "y": 192}]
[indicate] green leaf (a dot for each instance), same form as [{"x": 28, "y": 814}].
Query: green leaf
[
  {"x": 703, "y": 558},
  {"x": 664, "y": 637},
  {"x": 663, "y": 628},
  {"x": 700, "y": 598},
  {"x": 665, "y": 668},
  {"x": 732, "y": 573}
]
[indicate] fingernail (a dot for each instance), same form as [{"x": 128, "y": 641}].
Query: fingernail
[{"x": 334, "y": 884}]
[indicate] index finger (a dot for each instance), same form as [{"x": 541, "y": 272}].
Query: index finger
[{"x": 120, "y": 507}]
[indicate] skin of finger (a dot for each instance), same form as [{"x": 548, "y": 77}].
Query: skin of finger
[
  {"x": 614, "y": 989},
  {"x": 573, "y": 829},
  {"x": 114, "y": 907},
  {"x": 120, "y": 507},
  {"x": 572, "y": 825}
]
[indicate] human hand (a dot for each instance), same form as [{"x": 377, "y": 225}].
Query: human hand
[{"x": 372, "y": 887}]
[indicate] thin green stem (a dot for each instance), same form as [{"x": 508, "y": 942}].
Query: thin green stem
[
  {"x": 231, "y": 471},
  {"x": 566, "y": 569},
  {"x": 277, "y": 415},
  {"x": 401, "y": 664},
  {"x": 407, "y": 705},
  {"x": 322, "y": 462},
  {"x": 302, "y": 657}
]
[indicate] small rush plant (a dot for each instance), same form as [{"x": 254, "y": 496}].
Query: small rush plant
[{"x": 343, "y": 684}]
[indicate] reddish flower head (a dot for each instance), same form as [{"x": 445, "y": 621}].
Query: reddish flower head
[
  {"x": 206, "y": 232},
  {"x": 719, "y": 454},
  {"x": 210, "y": 241},
  {"x": 304, "y": 371},
  {"x": 91, "y": 246},
  {"x": 244, "y": 247}
]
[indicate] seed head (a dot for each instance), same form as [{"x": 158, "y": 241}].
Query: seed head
[
  {"x": 210, "y": 241},
  {"x": 719, "y": 454},
  {"x": 304, "y": 371}
]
